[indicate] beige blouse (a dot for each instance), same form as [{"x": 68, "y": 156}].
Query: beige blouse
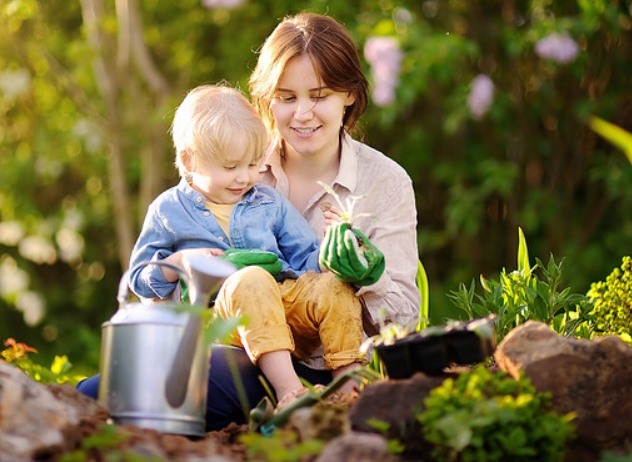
[{"x": 388, "y": 196}]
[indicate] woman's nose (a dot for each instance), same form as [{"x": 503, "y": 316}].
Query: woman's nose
[{"x": 304, "y": 110}]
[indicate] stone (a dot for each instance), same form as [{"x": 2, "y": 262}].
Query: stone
[
  {"x": 395, "y": 404},
  {"x": 33, "y": 423},
  {"x": 357, "y": 447},
  {"x": 591, "y": 378},
  {"x": 322, "y": 421}
]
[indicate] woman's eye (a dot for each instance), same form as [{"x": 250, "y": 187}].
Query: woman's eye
[
  {"x": 285, "y": 99},
  {"x": 319, "y": 97}
]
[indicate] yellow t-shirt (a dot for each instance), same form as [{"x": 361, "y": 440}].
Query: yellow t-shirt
[{"x": 222, "y": 214}]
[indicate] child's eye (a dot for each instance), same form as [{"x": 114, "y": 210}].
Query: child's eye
[{"x": 229, "y": 168}]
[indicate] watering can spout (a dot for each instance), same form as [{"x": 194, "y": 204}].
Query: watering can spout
[{"x": 206, "y": 276}]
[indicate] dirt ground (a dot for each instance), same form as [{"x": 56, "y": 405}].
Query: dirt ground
[{"x": 98, "y": 443}]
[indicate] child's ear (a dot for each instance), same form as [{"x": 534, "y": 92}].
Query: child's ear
[{"x": 187, "y": 160}]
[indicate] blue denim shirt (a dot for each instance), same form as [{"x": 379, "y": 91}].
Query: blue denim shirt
[{"x": 178, "y": 219}]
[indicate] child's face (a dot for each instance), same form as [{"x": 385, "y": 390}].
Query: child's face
[
  {"x": 227, "y": 181},
  {"x": 308, "y": 116}
]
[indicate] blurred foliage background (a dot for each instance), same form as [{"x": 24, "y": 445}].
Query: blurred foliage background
[{"x": 87, "y": 91}]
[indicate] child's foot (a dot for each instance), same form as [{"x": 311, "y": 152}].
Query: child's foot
[
  {"x": 296, "y": 394},
  {"x": 291, "y": 397}
]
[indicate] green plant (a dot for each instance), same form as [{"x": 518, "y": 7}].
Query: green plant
[
  {"x": 483, "y": 416},
  {"x": 16, "y": 353},
  {"x": 347, "y": 211},
  {"x": 387, "y": 335},
  {"x": 282, "y": 446},
  {"x": 520, "y": 296},
  {"x": 611, "y": 457},
  {"x": 393, "y": 444},
  {"x": 106, "y": 443},
  {"x": 612, "y": 300},
  {"x": 614, "y": 134},
  {"x": 424, "y": 292}
]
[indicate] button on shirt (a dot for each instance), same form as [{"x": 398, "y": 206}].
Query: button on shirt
[
  {"x": 387, "y": 195},
  {"x": 178, "y": 219}
]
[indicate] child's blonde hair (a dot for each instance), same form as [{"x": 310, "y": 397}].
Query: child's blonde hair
[{"x": 210, "y": 119}]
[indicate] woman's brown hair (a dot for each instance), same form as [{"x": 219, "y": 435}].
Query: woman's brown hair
[{"x": 332, "y": 52}]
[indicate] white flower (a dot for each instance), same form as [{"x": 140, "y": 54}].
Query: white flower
[
  {"x": 14, "y": 83},
  {"x": 557, "y": 47},
  {"x": 385, "y": 58},
  {"x": 38, "y": 249},
  {"x": 32, "y": 305},
  {"x": 70, "y": 244},
  {"x": 229, "y": 4},
  {"x": 481, "y": 95},
  {"x": 13, "y": 280},
  {"x": 11, "y": 232}
]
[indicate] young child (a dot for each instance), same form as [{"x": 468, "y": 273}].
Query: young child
[{"x": 218, "y": 205}]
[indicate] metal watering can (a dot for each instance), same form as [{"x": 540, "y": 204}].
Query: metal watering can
[{"x": 154, "y": 361}]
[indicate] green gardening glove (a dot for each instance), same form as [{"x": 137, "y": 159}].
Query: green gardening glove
[
  {"x": 254, "y": 257},
  {"x": 351, "y": 256}
]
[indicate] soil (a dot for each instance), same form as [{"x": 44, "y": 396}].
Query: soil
[{"x": 149, "y": 444}]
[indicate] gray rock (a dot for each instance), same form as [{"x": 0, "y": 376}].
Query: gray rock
[
  {"x": 591, "y": 378},
  {"x": 33, "y": 423},
  {"x": 357, "y": 447}
]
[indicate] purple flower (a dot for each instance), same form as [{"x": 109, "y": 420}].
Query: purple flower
[
  {"x": 481, "y": 95},
  {"x": 383, "y": 95},
  {"x": 385, "y": 58},
  {"x": 557, "y": 47},
  {"x": 229, "y": 4}
]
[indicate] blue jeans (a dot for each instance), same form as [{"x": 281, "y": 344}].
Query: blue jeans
[{"x": 231, "y": 369}]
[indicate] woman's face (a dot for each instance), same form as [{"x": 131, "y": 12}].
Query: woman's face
[{"x": 308, "y": 116}]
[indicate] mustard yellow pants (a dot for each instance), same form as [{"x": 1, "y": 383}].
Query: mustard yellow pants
[{"x": 298, "y": 315}]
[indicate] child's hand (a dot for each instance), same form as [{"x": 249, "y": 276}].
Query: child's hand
[{"x": 180, "y": 258}]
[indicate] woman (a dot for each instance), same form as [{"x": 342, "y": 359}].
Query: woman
[{"x": 310, "y": 91}]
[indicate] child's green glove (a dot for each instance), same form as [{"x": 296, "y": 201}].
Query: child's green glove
[
  {"x": 254, "y": 257},
  {"x": 351, "y": 256}
]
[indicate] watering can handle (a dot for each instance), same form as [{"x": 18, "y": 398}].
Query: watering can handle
[
  {"x": 123, "y": 289},
  {"x": 178, "y": 378}
]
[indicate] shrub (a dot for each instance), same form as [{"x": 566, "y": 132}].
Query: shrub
[
  {"x": 613, "y": 302},
  {"x": 521, "y": 295},
  {"x": 483, "y": 416},
  {"x": 16, "y": 353}
]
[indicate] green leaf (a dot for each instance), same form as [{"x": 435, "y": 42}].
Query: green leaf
[
  {"x": 614, "y": 134},
  {"x": 422, "y": 284},
  {"x": 523, "y": 254}
]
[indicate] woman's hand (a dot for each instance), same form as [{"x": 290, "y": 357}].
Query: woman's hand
[
  {"x": 331, "y": 214},
  {"x": 350, "y": 255}
]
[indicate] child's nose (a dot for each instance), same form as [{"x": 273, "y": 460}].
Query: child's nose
[{"x": 243, "y": 175}]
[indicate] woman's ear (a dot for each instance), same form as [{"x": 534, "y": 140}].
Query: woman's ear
[{"x": 350, "y": 99}]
